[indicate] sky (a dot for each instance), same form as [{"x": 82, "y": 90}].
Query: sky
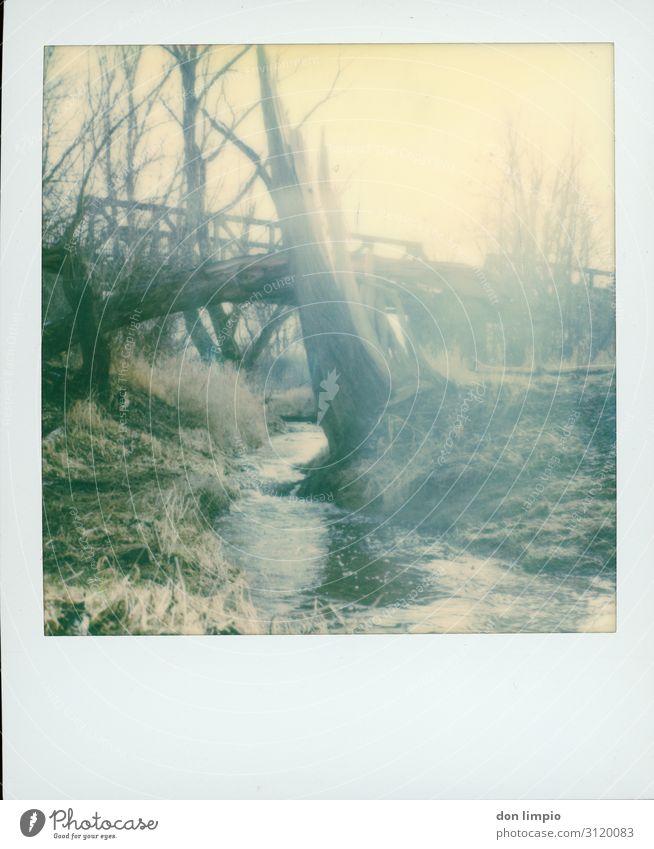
[{"x": 415, "y": 133}]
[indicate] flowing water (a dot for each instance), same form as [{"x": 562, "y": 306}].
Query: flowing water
[{"x": 540, "y": 556}]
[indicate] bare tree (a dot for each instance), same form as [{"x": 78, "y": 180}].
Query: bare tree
[
  {"x": 71, "y": 167},
  {"x": 197, "y": 81},
  {"x": 544, "y": 237},
  {"x": 99, "y": 220}
]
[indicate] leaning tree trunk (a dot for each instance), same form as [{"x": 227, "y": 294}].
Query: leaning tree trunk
[
  {"x": 199, "y": 335},
  {"x": 347, "y": 374}
]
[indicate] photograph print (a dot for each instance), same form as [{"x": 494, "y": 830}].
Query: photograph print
[{"x": 328, "y": 339}]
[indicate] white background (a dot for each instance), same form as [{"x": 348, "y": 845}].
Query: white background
[
  {"x": 342, "y": 823},
  {"x": 448, "y": 716}
]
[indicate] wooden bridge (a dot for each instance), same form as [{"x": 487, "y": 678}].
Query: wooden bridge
[
  {"x": 136, "y": 260},
  {"x": 246, "y": 263}
]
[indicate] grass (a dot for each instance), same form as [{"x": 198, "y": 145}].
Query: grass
[
  {"x": 130, "y": 496},
  {"x": 217, "y": 399},
  {"x": 296, "y": 403},
  {"x": 169, "y": 577}
]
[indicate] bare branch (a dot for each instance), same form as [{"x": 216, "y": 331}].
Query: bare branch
[
  {"x": 222, "y": 71},
  {"x": 245, "y": 148},
  {"x": 328, "y": 96}
]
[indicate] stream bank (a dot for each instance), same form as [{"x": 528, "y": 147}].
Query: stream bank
[{"x": 490, "y": 529}]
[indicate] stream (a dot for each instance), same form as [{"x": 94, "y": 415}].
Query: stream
[{"x": 369, "y": 575}]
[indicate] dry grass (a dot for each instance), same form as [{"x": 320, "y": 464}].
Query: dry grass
[
  {"x": 216, "y": 398},
  {"x": 94, "y": 450},
  {"x": 130, "y": 497},
  {"x": 163, "y": 572},
  {"x": 297, "y": 403},
  {"x": 116, "y": 605}
]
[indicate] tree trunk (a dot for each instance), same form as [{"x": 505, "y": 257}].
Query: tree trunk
[
  {"x": 258, "y": 345},
  {"x": 195, "y": 237},
  {"x": 224, "y": 327},
  {"x": 199, "y": 335},
  {"x": 346, "y": 373},
  {"x": 166, "y": 291},
  {"x": 84, "y": 304}
]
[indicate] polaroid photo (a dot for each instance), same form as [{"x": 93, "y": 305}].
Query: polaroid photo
[{"x": 309, "y": 342}]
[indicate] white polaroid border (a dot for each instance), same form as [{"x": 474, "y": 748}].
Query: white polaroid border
[{"x": 443, "y": 716}]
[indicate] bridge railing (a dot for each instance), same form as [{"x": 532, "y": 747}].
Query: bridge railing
[
  {"x": 116, "y": 228},
  {"x": 368, "y": 242}
]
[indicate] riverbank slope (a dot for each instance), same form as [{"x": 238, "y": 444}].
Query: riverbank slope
[{"x": 130, "y": 495}]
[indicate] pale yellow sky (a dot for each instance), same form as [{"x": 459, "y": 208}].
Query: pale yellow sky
[{"x": 416, "y": 132}]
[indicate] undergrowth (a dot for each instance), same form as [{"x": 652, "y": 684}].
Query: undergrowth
[{"x": 130, "y": 494}]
